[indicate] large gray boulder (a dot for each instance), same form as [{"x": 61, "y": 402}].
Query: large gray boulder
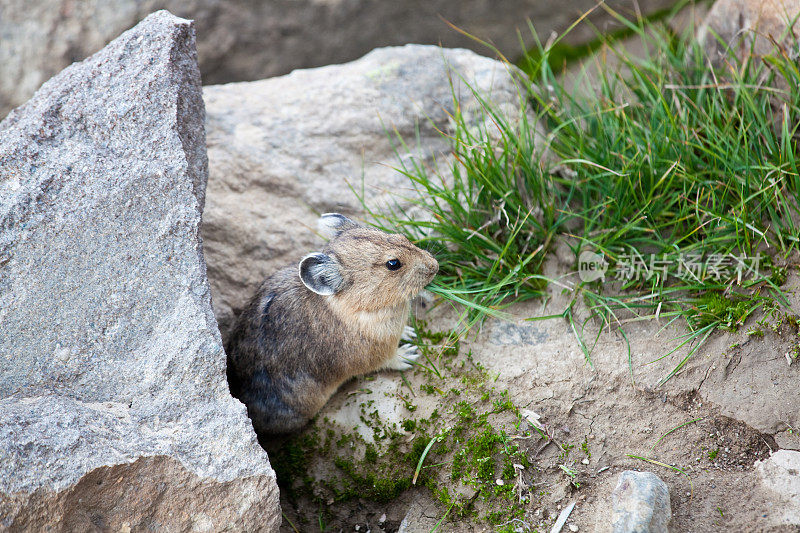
[
  {"x": 252, "y": 39},
  {"x": 115, "y": 410},
  {"x": 285, "y": 149},
  {"x": 750, "y": 26}
]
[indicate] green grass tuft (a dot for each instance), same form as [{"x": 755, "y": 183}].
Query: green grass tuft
[{"x": 659, "y": 157}]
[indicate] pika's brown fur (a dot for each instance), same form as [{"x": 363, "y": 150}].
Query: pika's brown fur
[{"x": 304, "y": 335}]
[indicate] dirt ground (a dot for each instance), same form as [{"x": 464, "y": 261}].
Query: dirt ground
[{"x": 734, "y": 402}]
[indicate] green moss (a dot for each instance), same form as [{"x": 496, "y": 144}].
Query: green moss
[
  {"x": 727, "y": 312},
  {"x": 464, "y": 410},
  {"x": 461, "y": 469},
  {"x": 504, "y": 403},
  {"x": 566, "y": 448},
  {"x": 585, "y": 447},
  {"x": 409, "y": 425},
  {"x": 484, "y": 454},
  {"x": 459, "y": 507},
  {"x": 778, "y": 274},
  {"x": 380, "y": 486},
  {"x": 370, "y": 454}
]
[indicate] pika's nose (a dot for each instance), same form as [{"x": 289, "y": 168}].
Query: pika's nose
[{"x": 433, "y": 266}]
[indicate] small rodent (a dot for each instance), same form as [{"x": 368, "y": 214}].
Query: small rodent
[{"x": 302, "y": 336}]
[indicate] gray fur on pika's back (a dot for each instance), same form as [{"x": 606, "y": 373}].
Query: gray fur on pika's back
[{"x": 304, "y": 335}]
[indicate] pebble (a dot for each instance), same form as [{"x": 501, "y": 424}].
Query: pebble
[
  {"x": 572, "y": 527},
  {"x": 640, "y": 502}
]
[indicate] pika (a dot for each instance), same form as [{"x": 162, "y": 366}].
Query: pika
[{"x": 311, "y": 327}]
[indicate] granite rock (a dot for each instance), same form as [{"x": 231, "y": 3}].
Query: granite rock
[
  {"x": 115, "y": 408},
  {"x": 750, "y": 26}
]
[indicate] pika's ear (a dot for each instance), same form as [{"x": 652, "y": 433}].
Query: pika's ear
[
  {"x": 320, "y": 273},
  {"x": 332, "y": 224}
]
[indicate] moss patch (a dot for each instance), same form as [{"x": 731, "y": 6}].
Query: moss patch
[{"x": 475, "y": 468}]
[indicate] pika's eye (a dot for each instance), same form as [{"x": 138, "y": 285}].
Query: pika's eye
[{"x": 393, "y": 264}]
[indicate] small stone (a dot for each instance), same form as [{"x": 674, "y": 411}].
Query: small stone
[
  {"x": 640, "y": 502},
  {"x": 533, "y": 418},
  {"x": 572, "y": 527},
  {"x": 382, "y": 519},
  {"x": 499, "y": 482},
  {"x": 585, "y": 461}
]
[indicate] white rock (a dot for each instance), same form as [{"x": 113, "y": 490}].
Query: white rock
[{"x": 780, "y": 476}]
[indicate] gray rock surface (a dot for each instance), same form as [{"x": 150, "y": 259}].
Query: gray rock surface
[
  {"x": 283, "y": 150},
  {"x": 640, "y": 504},
  {"x": 115, "y": 410},
  {"x": 750, "y": 25},
  {"x": 251, "y": 39},
  {"x": 780, "y": 477}
]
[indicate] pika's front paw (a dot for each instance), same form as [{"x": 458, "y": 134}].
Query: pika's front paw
[
  {"x": 404, "y": 358},
  {"x": 409, "y": 334}
]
